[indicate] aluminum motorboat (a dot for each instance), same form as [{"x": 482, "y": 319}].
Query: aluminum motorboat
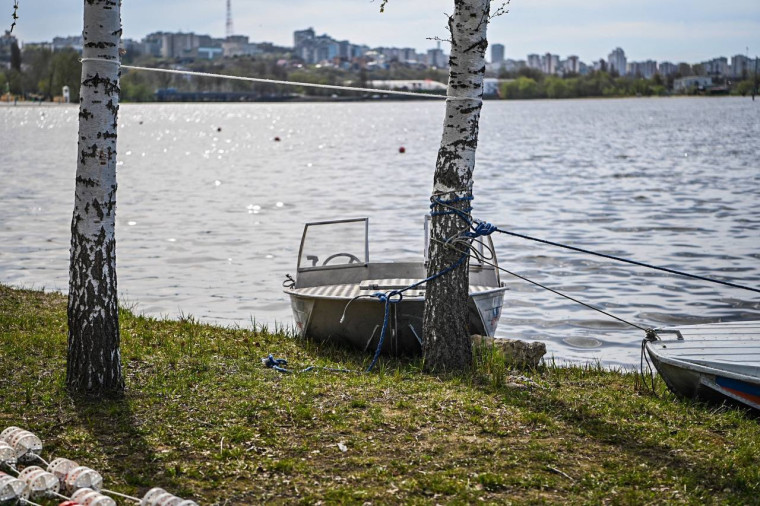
[
  {"x": 714, "y": 361},
  {"x": 331, "y": 295}
]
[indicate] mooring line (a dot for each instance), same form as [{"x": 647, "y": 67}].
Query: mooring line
[
  {"x": 544, "y": 287},
  {"x": 625, "y": 260},
  {"x": 281, "y": 82}
]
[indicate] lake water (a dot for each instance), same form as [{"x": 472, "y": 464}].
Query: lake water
[{"x": 209, "y": 220}]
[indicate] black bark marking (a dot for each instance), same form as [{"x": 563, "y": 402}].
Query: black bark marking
[
  {"x": 84, "y": 154},
  {"x": 90, "y": 183},
  {"x": 98, "y": 209},
  {"x": 110, "y": 86},
  {"x": 114, "y": 108},
  {"x": 100, "y": 45}
]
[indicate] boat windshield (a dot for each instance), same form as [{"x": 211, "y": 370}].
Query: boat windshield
[{"x": 330, "y": 244}]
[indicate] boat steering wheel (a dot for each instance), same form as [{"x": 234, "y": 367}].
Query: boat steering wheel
[{"x": 352, "y": 259}]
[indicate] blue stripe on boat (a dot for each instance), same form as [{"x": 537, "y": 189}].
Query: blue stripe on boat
[{"x": 738, "y": 385}]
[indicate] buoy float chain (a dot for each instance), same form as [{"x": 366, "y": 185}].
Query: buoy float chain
[{"x": 84, "y": 484}]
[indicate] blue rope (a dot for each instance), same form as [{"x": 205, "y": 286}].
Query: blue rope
[
  {"x": 278, "y": 363},
  {"x": 396, "y": 296},
  {"x": 447, "y": 203},
  {"x": 476, "y": 228},
  {"x": 479, "y": 229}
]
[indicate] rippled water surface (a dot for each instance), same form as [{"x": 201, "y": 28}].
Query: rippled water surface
[{"x": 210, "y": 208}]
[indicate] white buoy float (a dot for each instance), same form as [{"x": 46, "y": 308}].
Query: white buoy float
[
  {"x": 7, "y": 454},
  {"x": 26, "y": 445},
  {"x": 40, "y": 482},
  {"x": 89, "y": 497},
  {"x": 12, "y": 489},
  {"x": 160, "y": 497},
  {"x": 60, "y": 467},
  {"x": 73, "y": 476}
]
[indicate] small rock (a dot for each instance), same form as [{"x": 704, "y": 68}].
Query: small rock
[
  {"x": 342, "y": 447},
  {"x": 522, "y": 354}
]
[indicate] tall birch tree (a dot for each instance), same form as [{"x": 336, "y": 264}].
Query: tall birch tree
[
  {"x": 94, "y": 360},
  {"x": 446, "y": 341}
]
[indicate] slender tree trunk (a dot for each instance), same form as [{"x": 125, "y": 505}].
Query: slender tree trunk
[
  {"x": 94, "y": 360},
  {"x": 447, "y": 345}
]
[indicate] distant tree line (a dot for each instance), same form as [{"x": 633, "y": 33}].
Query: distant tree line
[
  {"x": 531, "y": 84},
  {"x": 39, "y": 74}
]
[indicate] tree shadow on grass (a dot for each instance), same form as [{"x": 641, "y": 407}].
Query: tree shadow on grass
[
  {"x": 128, "y": 456},
  {"x": 640, "y": 446}
]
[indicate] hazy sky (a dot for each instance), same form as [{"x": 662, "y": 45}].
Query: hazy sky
[{"x": 674, "y": 30}]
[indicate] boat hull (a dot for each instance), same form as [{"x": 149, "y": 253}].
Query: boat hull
[
  {"x": 359, "y": 324},
  {"x": 716, "y": 362}
]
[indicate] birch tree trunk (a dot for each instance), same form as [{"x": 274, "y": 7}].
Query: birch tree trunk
[
  {"x": 94, "y": 360},
  {"x": 447, "y": 345}
]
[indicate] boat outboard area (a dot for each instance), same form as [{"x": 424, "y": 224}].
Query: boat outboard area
[
  {"x": 714, "y": 361},
  {"x": 334, "y": 296}
]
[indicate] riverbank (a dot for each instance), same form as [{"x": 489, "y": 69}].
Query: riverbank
[{"x": 204, "y": 419}]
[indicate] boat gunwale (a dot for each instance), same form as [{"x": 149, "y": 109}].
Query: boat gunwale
[
  {"x": 697, "y": 368},
  {"x": 295, "y": 292}
]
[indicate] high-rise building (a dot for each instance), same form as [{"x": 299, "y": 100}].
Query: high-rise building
[
  {"x": 666, "y": 68},
  {"x": 436, "y": 58},
  {"x": 180, "y": 45},
  {"x": 616, "y": 61},
  {"x": 534, "y": 61},
  {"x": 300, "y": 36},
  {"x": 646, "y": 69},
  {"x": 75, "y": 42},
  {"x": 741, "y": 66},
  {"x": 572, "y": 65},
  {"x": 497, "y": 53},
  {"x": 716, "y": 66},
  {"x": 550, "y": 63}
]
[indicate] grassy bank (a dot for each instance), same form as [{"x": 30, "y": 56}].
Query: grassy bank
[{"x": 204, "y": 419}]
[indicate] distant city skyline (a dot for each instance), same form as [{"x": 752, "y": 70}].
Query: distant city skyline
[{"x": 679, "y": 30}]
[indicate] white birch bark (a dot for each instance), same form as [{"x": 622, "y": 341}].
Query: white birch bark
[
  {"x": 94, "y": 361},
  {"x": 446, "y": 340}
]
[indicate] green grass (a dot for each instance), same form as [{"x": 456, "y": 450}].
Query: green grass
[{"x": 204, "y": 419}]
